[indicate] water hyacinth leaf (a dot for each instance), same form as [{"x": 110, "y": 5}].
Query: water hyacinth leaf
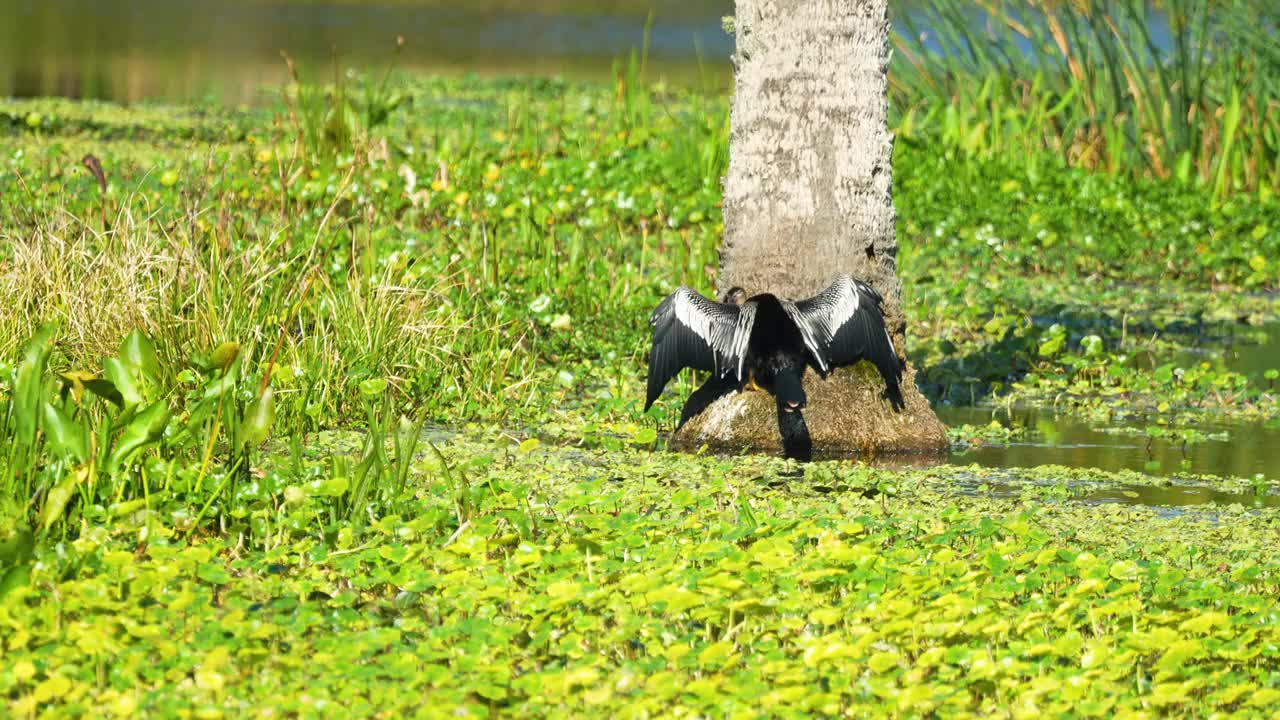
[
  {"x": 645, "y": 436},
  {"x": 333, "y": 487},
  {"x": 373, "y": 387},
  {"x": 213, "y": 573},
  {"x": 65, "y": 434},
  {"x": 259, "y": 417},
  {"x": 28, "y": 383},
  {"x": 1052, "y": 345},
  {"x": 144, "y": 429},
  {"x": 55, "y": 501}
]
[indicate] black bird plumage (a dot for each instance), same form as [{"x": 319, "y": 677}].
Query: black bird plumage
[{"x": 771, "y": 342}]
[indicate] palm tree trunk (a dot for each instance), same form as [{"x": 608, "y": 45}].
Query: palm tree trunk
[{"x": 808, "y": 198}]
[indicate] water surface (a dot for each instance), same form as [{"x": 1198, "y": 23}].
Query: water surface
[
  {"x": 183, "y": 50},
  {"x": 228, "y": 50},
  {"x": 1240, "y": 450}
]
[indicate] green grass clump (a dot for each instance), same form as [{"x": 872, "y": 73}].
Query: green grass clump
[{"x": 1089, "y": 83}]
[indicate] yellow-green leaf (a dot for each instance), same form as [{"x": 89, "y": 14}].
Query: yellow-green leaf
[{"x": 58, "y": 496}]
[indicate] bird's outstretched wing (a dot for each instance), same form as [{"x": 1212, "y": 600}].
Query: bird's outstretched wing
[
  {"x": 692, "y": 331},
  {"x": 844, "y": 324}
]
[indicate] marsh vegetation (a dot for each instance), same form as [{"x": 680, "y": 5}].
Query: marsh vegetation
[{"x": 333, "y": 401}]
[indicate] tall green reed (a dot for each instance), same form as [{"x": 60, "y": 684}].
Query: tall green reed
[{"x": 1092, "y": 82}]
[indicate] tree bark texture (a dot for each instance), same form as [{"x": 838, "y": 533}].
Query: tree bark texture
[{"x": 808, "y": 198}]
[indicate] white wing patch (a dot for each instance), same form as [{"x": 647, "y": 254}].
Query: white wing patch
[
  {"x": 742, "y": 334},
  {"x": 705, "y": 319},
  {"x": 837, "y": 303}
]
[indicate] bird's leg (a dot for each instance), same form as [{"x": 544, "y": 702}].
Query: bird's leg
[
  {"x": 751, "y": 382},
  {"x": 796, "y": 444},
  {"x": 713, "y": 389}
]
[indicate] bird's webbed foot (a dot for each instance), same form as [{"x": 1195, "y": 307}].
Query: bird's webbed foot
[{"x": 894, "y": 396}]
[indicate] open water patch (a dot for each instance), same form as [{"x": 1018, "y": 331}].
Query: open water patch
[
  {"x": 182, "y": 50},
  {"x": 1243, "y": 450}
]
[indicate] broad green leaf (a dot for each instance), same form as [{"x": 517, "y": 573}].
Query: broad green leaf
[
  {"x": 1092, "y": 345},
  {"x": 105, "y": 389},
  {"x": 124, "y": 508},
  {"x": 144, "y": 429},
  {"x": 138, "y": 352},
  {"x": 226, "y": 381},
  {"x": 1206, "y": 622},
  {"x": 29, "y": 385},
  {"x": 117, "y": 373},
  {"x": 715, "y": 654},
  {"x": 1179, "y": 653},
  {"x": 14, "y": 577},
  {"x": 213, "y": 573},
  {"x": 1124, "y": 570},
  {"x": 55, "y": 502},
  {"x": 19, "y": 547},
  {"x": 73, "y": 382},
  {"x": 883, "y": 661},
  {"x": 332, "y": 487},
  {"x": 259, "y": 417},
  {"x": 645, "y": 436},
  {"x": 1265, "y": 698},
  {"x": 66, "y": 435}
]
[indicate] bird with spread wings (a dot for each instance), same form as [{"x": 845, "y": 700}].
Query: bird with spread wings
[{"x": 763, "y": 342}]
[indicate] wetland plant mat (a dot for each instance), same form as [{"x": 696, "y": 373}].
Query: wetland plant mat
[
  {"x": 653, "y": 585},
  {"x": 179, "y": 536}
]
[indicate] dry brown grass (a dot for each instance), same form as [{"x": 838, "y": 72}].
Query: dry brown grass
[{"x": 94, "y": 286}]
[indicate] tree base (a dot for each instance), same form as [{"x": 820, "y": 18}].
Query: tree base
[{"x": 846, "y": 414}]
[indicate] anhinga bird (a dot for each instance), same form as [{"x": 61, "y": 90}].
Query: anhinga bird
[{"x": 764, "y": 342}]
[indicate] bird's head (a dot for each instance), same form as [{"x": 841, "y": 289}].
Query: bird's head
[{"x": 736, "y": 295}]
